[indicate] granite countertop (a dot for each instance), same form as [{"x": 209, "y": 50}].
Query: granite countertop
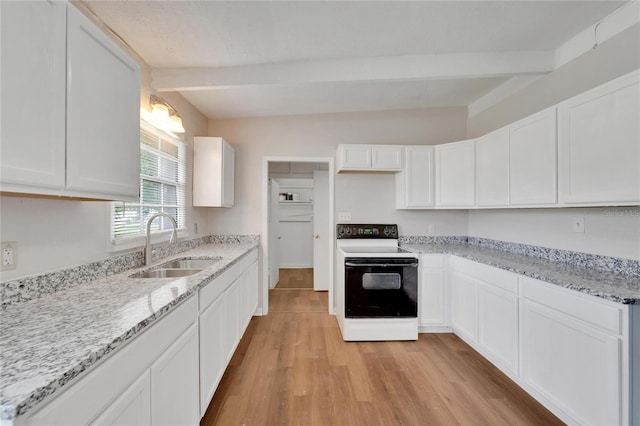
[
  {"x": 46, "y": 342},
  {"x": 619, "y": 288}
]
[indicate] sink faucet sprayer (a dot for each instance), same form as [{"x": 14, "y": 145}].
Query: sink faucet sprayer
[{"x": 172, "y": 240}]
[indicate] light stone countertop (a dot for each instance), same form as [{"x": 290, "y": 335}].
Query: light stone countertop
[
  {"x": 47, "y": 342},
  {"x": 619, "y": 288}
]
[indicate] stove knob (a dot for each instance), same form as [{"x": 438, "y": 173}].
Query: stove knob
[
  {"x": 348, "y": 231},
  {"x": 387, "y": 232}
]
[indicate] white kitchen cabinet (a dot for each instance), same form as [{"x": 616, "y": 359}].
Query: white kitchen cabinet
[
  {"x": 133, "y": 406},
  {"x": 415, "y": 183},
  {"x": 174, "y": 383},
  {"x": 492, "y": 169},
  {"x": 103, "y": 113},
  {"x": 251, "y": 293},
  {"x": 571, "y": 356},
  {"x": 455, "y": 174},
  {"x": 369, "y": 158},
  {"x": 213, "y": 172},
  {"x": 432, "y": 293},
  {"x": 599, "y": 144},
  {"x": 213, "y": 355},
  {"x": 33, "y": 92},
  {"x": 532, "y": 160},
  {"x": 232, "y": 317},
  {"x": 464, "y": 306},
  {"x": 82, "y": 91},
  {"x": 498, "y": 325}
]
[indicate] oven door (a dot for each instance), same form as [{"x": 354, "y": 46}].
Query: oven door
[{"x": 378, "y": 287}]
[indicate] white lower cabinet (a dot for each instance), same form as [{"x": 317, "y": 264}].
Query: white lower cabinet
[
  {"x": 251, "y": 293},
  {"x": 213, "y": 356},
  {"x": 498, "y": 325},
  {"x": 464, "y": 306},
  {"x": 133, "y": 406},
  {"x": 232, "y": 318},
  {"x": 432, "y": 304},
  {"x": 174, "y": 380}
]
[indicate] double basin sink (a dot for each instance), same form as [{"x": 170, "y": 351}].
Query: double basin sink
[{"x": 177, "y": 268}]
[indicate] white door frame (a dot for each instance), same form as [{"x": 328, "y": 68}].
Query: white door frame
[{"x": 264, "y": 238}]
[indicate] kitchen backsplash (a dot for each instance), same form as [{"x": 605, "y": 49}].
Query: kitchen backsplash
[
  {"x": 585, "y": 260},
  {"x": 29, "y": 288}
]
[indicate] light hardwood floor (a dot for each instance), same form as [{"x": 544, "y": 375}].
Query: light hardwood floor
[
  {"x": 295, "y": 278},
  {"x": 293, "y": 368}
]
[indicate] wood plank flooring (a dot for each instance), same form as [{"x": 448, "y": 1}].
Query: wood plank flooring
[
  {"x": 295, "y": 278},
  {"x": 293, "y": 368}
]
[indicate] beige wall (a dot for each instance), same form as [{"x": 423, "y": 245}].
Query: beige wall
[
  {"x": 369, "y": 197},
  {"x": 612, "y": 232}
]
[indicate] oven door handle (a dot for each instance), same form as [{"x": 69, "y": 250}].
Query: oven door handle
[{"x": 412, "y": 264}]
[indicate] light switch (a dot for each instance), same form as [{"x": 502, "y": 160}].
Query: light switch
[{"x": 344, "y": 216}]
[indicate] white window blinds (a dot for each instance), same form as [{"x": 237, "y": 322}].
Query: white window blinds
[{"x": 162, "y": 187}]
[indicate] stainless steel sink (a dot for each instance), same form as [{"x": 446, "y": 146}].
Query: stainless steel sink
[
  {"x": 190, "y": 263},
  {"x": 165, "y": 273}
]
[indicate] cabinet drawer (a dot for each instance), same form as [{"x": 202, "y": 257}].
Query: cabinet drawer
[
  {"x": 431, "y": 261},
  {"x": 497, "y": 277},
  {"x": 599, "y": 313}
]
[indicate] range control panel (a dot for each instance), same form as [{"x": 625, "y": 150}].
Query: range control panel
[{"x": 344, "y": 231}]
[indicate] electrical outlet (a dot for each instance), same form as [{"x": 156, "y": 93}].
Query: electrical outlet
[
  {"x": 431, "y": 228},
  {"x": 9, "y": 255},
  {"x": 578, "y": 224},
  {"x": 344, "y": 216}
]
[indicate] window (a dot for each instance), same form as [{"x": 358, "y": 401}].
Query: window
[{"x": 162, "y": 188}]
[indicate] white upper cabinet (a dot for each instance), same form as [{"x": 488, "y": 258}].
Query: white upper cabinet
[
  {"x": 492, "y": 169},
  {"x": 532, "y": 160},
  {"x": 599, "y": 144},
  {"x": 73, "y": 128},
  {"x": 415, "y": 183},
  {"x": 33, "y": 93},
  {"x": 103, "y": 112},
  {"x": 369, "y": 158},
  {"x": 213, "y": 172},
  {"x": 455, "y": 174}
]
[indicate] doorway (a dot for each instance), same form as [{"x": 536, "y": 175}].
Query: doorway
[{"x": 298, "y": 235}]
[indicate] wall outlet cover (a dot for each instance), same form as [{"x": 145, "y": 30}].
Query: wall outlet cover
[
  {"x": 578, "y": 224},
  {"x": 9, "y": 255}
]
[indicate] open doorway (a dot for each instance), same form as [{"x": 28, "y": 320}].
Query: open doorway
[{"x": 298, "y": 232}]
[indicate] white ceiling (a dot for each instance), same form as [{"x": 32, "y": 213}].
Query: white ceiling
[{"x": 240, "y": 59}]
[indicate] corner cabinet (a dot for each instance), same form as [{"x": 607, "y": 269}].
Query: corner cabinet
[
  {"x": 213, "y": 172},
  {"x": 492, "y": 169},
  {"x": 599, "y": 144},
  {"x": 83, "y": 92},
  {"x": 369, "y": 158}
]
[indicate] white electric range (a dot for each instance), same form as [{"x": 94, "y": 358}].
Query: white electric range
[{"x": 377, "y": 284}]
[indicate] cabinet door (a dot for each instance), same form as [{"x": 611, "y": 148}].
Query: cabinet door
[
  {"x": 414, "y": 184},
  {"x": 354, "y": 157},
  {"x": 464, "y": 306},
  {"x": 133, "y": 406},
  {"x": 498, "y": 325},
  {"x": 32, "y": 133},
  {"x": 174, "y": 383},
  {"x": 455, "y": 174},
  {"x": 103, "y": 113},
  {"x": 532, "y": 160},
  {"x": 232, "y": 312},
  {"x": 386, "y": 157},
  {"x": 432, "y": 297},
  {"x": 599, "y": 145},
  {"x": 574, "y": 366},
  {"x": 228, "y": 174},
  {"x": 492, "y": 169},
  {"x": 251, "y": 289},
  {"x": 213, "y": 356}
]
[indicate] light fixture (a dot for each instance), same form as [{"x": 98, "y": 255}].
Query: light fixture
[{"x": 164, "y": 116}]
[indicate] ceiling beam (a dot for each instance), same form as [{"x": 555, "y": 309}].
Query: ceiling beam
[{"x": 407, "y": 67}]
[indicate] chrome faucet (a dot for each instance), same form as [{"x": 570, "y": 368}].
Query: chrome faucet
[{"x": 174, "y": 235}]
